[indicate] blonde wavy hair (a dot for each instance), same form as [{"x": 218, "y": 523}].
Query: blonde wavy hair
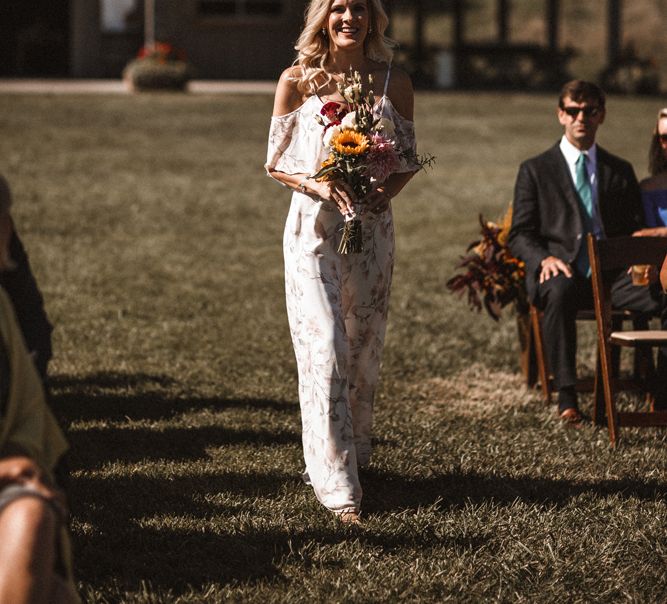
[{"x": 313, "y": 46}]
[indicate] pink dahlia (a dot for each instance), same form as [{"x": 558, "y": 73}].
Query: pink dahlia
[{"x": 383, "y": 158}]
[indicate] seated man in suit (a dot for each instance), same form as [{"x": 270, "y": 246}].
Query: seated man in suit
[{"x": 572, "y": 189}]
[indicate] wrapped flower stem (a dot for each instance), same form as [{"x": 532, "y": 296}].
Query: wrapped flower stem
[{"x": 351, "y": 241}]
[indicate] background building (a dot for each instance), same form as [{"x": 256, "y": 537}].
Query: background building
[
  {"x": 235, "y": 39},
  {"x": 511, "y": 44}
]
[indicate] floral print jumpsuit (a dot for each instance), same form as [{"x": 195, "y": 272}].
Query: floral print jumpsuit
[{"x": 337, "y": 308}]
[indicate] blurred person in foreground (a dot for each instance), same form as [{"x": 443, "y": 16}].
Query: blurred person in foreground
[
  {"x": 17, "y": 279},
  {"x": 35, "y": 562},
  {"x": 572, "y": 189},
  {"x": 338, "y": 302}
]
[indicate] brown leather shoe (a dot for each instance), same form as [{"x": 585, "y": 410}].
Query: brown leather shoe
[{"x": 571, "y": 418}]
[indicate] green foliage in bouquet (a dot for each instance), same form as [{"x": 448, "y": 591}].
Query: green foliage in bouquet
[
  {"x": 493, "y": 278},
  {"x": 158, "y": 67}
]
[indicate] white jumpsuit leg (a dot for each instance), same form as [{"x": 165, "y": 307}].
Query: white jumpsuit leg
[{"x": 337, "y": 309}]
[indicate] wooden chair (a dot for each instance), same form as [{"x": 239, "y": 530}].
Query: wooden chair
[
  {"x": 608, "y": 256},
  {"x": 540, "y": 372}
]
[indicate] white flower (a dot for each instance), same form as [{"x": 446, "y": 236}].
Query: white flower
[
  {"x": 386, "y": 127},
  {"x": 330, "y": 133},
  {"x": 350, "y": 121},
  {"x": 352, "y": 93}
]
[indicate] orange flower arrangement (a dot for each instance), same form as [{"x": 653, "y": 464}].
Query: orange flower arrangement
[{"x": 493, "y": 278}]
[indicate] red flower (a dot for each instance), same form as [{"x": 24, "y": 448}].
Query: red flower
[
  {"x": 330, "y": 110},
  {"x": 333, "y": 111},
  {"x": 161, "y": 52}
]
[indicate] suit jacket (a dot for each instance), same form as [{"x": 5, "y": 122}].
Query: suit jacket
[{"x": 547, "y": 218}]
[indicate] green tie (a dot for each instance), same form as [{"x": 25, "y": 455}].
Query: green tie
[{"x": 585, "y": 192}]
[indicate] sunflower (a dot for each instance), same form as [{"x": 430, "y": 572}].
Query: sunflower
[
  {"x": 349, "y": 142},
  {"x": 329, "y": 161}
]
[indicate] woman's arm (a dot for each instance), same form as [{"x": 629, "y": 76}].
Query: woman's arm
[
  {"x": 288, "y": 99},
  {"x": 663, "y": 275},
  {"x": 336, "y": 191},
  {"x": 401, "y": 95},
  {"x": 378, "y": 200}
]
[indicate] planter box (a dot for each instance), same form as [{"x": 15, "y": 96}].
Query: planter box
[{"x": 142, "y": 75}]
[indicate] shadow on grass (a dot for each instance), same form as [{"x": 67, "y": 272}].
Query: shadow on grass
[
  {"x": 119, "y": 396},
  {"x": 124, "y": 398},
  {"x": 176, "y": 533},
  {"x": 179, "y": 558},
  {"x": 132, "y": 445},
  {"x": 180, "y": 525},
  {"x": 172, "y": 531},
  {"x": 387, "y": 492},
  {"x": 148, "y": 519}
]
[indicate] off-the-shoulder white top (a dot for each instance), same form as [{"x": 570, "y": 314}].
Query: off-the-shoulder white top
[{"x": 295, "y": 139}]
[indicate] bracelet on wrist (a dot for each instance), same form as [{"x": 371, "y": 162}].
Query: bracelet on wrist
[{"x": 301, "y": 187}]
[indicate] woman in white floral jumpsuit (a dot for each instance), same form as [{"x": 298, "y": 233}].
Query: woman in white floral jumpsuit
[{"x": 337, "y": 304}]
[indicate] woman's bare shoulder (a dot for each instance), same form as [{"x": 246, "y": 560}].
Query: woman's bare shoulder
[
  {"x": 400, "y": 81},
  {"x": 292, "y": 73},
  {"x": 288, "y": 97},
  {"x": 401, "y": 92}
]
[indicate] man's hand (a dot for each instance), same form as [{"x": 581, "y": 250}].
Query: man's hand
[
  {"x": 651, "y": 232},
  {"x": 551, "y": 266}
]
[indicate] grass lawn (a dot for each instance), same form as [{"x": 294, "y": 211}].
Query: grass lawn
[{"x": 156, "y": 239}]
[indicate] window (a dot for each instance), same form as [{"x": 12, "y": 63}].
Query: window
[
  {"x": 119, "y": 16},
  {"x": 227, "y": 8}
]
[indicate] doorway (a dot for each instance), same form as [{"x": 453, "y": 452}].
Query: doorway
[{"x": 35, "y": 38}]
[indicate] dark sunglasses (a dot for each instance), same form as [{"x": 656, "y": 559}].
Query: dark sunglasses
[
  {"x": 662, "y": 138},
  {"x": 587, "y": 111}
]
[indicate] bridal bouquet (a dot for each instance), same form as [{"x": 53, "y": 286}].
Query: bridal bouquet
[
  {"x": 362, "y": 149},
  {"x": 493, "y": 277}
]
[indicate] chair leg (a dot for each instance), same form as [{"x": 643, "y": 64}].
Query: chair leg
[
  {"x": 616, "y": 325},
  {"x": 527, "y": 356},
  {"x": 610, "y": 407},
  {"x": 540, "y": 357},
  {"x": 598, "y": 393},
  {"x": 643, "y": 367}
]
